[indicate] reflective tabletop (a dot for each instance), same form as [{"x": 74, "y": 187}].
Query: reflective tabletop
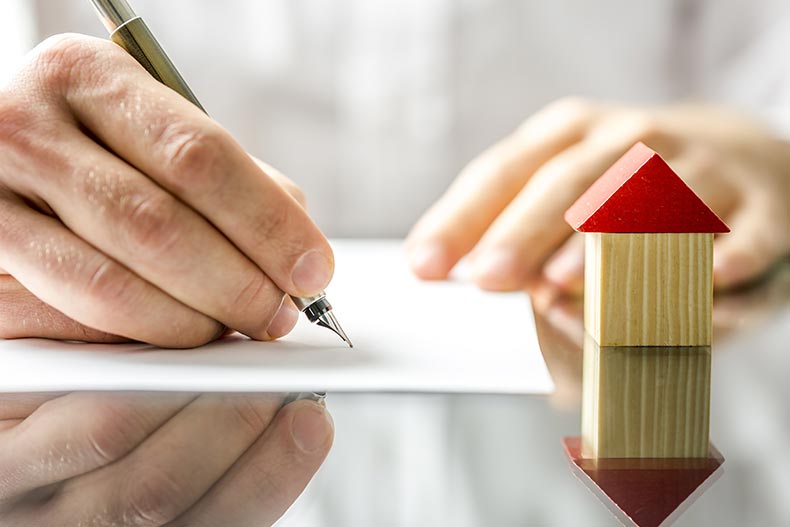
[
  {"x": 481, "y": 460},
  {"x": 465, "y": 460}
]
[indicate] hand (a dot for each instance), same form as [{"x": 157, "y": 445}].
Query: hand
[
  {"x": 133, "y": 215},
  {"x": 150, "y": 460},
  {"x": 506, "y": 208}
]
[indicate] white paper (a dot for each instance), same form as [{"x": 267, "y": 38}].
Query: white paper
[{"x": 409, "y": 336}]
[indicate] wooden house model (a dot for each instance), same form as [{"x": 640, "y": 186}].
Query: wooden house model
[{"x": 648, "y": 255}]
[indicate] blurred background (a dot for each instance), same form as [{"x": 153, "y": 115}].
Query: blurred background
[{"x": 373, "y": 107}]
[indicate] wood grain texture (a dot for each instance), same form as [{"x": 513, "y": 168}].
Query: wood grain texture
[
  {"x": 645, "y": 402},
  {"x": 652, "y": 289}
]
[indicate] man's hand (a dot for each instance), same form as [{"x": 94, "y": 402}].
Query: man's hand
[
  {"x": 150, "y": 460},
  {"x": 133, "y": 215},
  {"x": 506, "y": 208}
]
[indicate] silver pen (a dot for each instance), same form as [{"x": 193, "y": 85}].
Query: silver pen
[{"x": 131, "y": 33}]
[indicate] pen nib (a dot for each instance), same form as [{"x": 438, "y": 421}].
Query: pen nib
[{"x": 329, "y": 321}]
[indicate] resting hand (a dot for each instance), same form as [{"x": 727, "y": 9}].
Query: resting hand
[
  {"x": 150, "y": 460},
  {"x": 133, "y": 215},
  {"x": 506, "y": 208}
]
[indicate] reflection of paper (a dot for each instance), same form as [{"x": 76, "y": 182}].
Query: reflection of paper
[{"x": 408, "y": 336}]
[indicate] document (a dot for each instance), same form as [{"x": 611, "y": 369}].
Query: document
[{"x": 409, "y": 336}]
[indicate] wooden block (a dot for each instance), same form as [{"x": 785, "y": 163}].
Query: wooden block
[
  {"x": 653, "y": 289},
  {"x": 645, "y": 402}
]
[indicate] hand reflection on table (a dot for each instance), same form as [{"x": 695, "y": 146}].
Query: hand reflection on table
[{"x": 156, "y": 459}]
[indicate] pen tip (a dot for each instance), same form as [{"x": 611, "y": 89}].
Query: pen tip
[{"x": 329, "y": 321}]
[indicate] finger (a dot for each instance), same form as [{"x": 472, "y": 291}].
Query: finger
[
  {"x": 78, "y": 433},
  {"x": 710, "y": 178},
  {"x": 754, "y": 243},
  {"x": 71, "y": 276},
  {"x": 9, "y": 424},
  {"x": 128, "y": 217},
  {"x": 21, "y": 405},
  {"x": 458, "y": 220},
  {"x": 284, "y": 321},
  {"x": 527, "y": 232},
  {"x": 280, "y": 178},
  {"x": 264, "y": 482},
  {"x": 175, "y": 466},
  {"x": 23, "y": 315},
  {"x": 185, "y": 152},
  {"x": 565, "y": 268}
]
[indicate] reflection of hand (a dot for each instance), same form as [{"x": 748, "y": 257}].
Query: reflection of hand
[
  {"x": 156, "y": 459},
  {"x": 129, "y": 211},
  {"x": 506, "y": 208}
]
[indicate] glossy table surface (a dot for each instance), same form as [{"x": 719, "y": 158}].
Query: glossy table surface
[
  {"x": 498, "y": 461},
  {"x": 472, "y": 460}
]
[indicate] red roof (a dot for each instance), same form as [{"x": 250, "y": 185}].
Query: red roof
[{"x": 640, "y": 193}]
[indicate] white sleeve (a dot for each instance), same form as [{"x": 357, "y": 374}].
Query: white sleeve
[{"x": 17, "y": 34}]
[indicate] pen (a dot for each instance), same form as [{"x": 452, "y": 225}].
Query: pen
[{"x": 131, "y": 33}]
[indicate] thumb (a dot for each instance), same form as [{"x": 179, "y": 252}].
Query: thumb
[
  {"x": 273, "y": 472},
  {"x": 757, "y": 239}
]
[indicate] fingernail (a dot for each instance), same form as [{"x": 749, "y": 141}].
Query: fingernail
[
  {"x": 284, "y": 321},
  {"x": 311, "y": 427},
  {"x": 312, "y": 273},
  {"x": 428, "y": 261},
  {"x": 498, "y": 269}
]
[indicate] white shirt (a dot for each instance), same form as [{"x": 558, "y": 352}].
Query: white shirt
[{"x": 373, "y": 107}]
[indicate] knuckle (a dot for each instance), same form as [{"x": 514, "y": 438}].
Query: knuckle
[
  {"x": 62, "y": 59},
  {"x": 151, "y": 223},
  {"x": 641, "y": 127},
  {"x": 112, "y": 432},
  {"x": 14, "y": 119},
  {"x": 193, "y": 158},
  {"x": 273, "y": 222},
  {"x": 152, "y": 498},
  {"x": 573, "y": 106},
  {"x": 626, "y": 128},
  {"x": 703, "y": 164},
  {"x": 257, "y": 291},
  {"x": 271, "y": 485},
  {"x": 109, "y": 284},
  {"x": 569, "y": 114},
  {"x": 559, "y": 168},
  {"x": 253, "y": 413},
  {"x": 26, "y": 133}
]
